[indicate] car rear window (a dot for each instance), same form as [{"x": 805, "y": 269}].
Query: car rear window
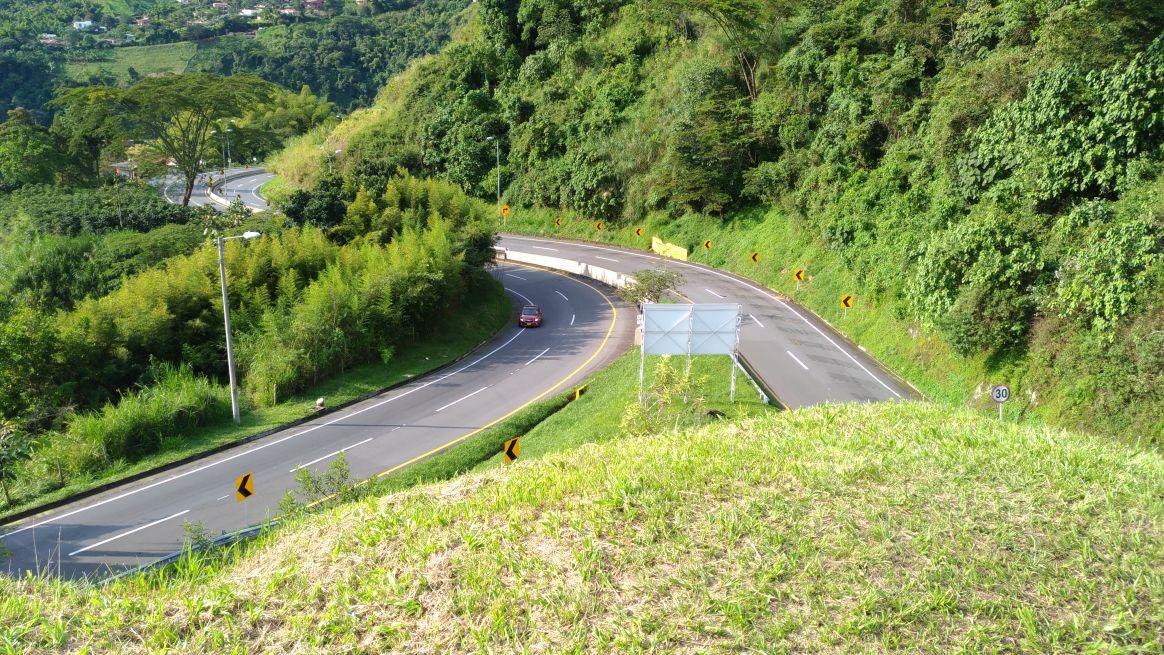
[{"x": 529, "y": 309}]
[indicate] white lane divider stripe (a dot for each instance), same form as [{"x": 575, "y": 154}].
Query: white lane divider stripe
[
  {"x": 714, "y": 293},
  {"x": 756, "y": 321},
  {"x": 601, "y": 257},
  {"x": 516, "y": 276},
  {"x": 571, "y": 319},
  {"x": 536, "y": 356},
  {"x": 128, "y": 532},
  {"x": 796, "y": 359},
  {"x": 463, "y": 398},
  {"x": 544, "y": 248},
  {"x": 562, "y": 295},
  {"x": 268, "y": 444},
  {"x": 341, "y": 450},
  {"x": 223, "y": 497}
]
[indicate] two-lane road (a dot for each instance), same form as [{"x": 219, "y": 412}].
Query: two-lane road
[
  {"x": 802, "y": 359},
  {"x": 243, "y": 184},
  {"x": 142, "y": 521}
]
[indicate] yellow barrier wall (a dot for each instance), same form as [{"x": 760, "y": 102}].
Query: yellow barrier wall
[{"x": 668, "y": 249}]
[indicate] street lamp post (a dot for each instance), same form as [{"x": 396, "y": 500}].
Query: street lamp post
[
  {"x": 226, "y": 318},
  {"x": 497, "y": 151}
]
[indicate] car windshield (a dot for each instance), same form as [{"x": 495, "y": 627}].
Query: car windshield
[{"x": 529, "y": 309}]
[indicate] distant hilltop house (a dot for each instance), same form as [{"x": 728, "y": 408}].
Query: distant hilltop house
[
  {"x": 219, "y": 5},
  {"x": 82, "y": 25},
  {"x": 130, "y": 38},
  {"x": 314, "y": 5},
  {"x": 287, "y": 11},
  {"x": 51, "y": 40},
  {"x": 142, "y": 22},
  {"x": 248, "y": 13}
]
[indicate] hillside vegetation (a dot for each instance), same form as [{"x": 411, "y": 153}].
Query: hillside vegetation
[
  {"x": 985, "y": 176},
  {"x": 894, "y": 527}
]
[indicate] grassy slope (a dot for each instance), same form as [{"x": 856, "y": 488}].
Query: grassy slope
[
  {"x": 145, "y": 59},
  {"x": 484, "y": 316},
  {"x": 835, "y": 529}
]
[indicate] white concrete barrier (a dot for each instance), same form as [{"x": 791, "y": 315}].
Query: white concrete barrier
[{"x": 603, "y": 275}]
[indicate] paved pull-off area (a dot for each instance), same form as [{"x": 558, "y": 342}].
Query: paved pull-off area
[{"x": 584, "y": 329}]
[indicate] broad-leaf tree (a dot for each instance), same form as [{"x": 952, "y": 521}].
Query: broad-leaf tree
[{"x": 179, "y": 112}]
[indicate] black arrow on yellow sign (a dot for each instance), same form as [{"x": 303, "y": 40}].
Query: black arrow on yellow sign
[
  {"x": 598, "y": 226},
  {"x": 755, "y": 258},
  {"x": 638, "y": 231},
  {"x": 244, "y": 487},
  {"x": 847, "y": 301},
  {"x": 511, "y": 450},
  {"x": 707, "y": 245},
  {"x": 798, "y": 275},
  {"x": 558, "y": 221}
]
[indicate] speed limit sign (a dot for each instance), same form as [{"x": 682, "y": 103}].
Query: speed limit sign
[{"x": 1000, "y": 393}]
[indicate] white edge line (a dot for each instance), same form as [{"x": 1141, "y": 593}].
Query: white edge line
[
  {"x": 536, "y": 356},
  {"x": 320, "y": 459},
  {"x": 763, "y": 291},
  {"x": 268, "y": 444},
  {"x": 756, "y": 321},
  {"x": 606, "y": 258},
  {"x": 562, "y": 295},
  {"x": 572, "y": 319},
  {"x": 516, "y": 276},
  {"x": 463, "y": 398},
  {"x": 544, "y": 248},
  {"x": 714, "y": 293},
  {"x": 128, "y": 532},
  {"x": 523, "y": 296},
  {"x": 796, "y": 359}
]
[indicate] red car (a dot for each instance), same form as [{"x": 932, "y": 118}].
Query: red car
[{"x": 531, "y": 316}]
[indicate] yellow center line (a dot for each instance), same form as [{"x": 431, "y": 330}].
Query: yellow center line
[{"x": 601, "y": 347}]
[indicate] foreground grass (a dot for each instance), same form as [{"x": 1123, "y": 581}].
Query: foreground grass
[
  {"x": 485, "y": 313},
  {"x": 874, "y": 528},
  {"x": 145, "y": 59}
]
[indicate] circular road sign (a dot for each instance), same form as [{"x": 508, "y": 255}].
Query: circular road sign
[{"x": 1000, "y": 393}]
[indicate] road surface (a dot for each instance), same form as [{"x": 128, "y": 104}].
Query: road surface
[
  {"x": 800, "y": 358},
  {"x": 242, "y": 184},
  {"x": 143, "y": 521}
]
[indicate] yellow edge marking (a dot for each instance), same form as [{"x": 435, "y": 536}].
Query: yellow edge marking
[{"x": 601, "y": 347}]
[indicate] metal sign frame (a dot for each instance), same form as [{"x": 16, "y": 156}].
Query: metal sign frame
[{"x": 704, "y": 329}]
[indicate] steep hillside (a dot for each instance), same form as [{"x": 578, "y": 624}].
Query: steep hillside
[
  {"x": 838, "y": 529},
  {"x": 985, "y": 176}
]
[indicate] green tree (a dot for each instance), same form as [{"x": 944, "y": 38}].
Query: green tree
[
  {"x": 180, "y": 111},
  {"x": 27, "y": 152},
  {"x": 650, "y": 285},
  {"x": 88, "y": 122}
]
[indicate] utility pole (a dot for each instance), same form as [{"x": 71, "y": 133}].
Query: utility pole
[{"x": 234, "y": 410}]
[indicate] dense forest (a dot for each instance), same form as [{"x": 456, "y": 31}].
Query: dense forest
[
  {"x": 344, "y": 52},
  {"x": 991, "y": 172}
]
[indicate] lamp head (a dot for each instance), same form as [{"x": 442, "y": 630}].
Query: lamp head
[{"x": 251, "y": 235}]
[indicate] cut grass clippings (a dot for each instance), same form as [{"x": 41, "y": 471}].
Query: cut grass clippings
[{"x": 896, "y": 527}]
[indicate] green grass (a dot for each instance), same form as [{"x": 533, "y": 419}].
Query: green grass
[
  {"x": 145, "y": 59},
  {"x": 485, "y": 314},
  {"x": 903, "y": 527}
]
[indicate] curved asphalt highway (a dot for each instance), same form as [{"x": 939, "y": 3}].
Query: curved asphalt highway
[
  {"x": 241, "y": 183},
  {"x": 143, "y": 521},
  {"x": 800, "y": 358}
]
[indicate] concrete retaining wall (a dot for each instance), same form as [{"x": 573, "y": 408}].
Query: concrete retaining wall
[{"x": 603, "y": 275}]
